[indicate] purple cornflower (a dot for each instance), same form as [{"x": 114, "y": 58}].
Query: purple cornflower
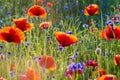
[
  {"x": 39, "y": 59},
  {"x": 43, "y": 1}
]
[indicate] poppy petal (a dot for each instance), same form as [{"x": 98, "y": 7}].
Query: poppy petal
[
  {"x": 22, "y": 77},
  {"x": 48, "y": 62},
  {"x": 45, "y": 25},
  {"x": 65, "y": 39},
  {"x": 37, "y": 11},
  {"x": 22, "y": 24},
  {"x": 11, "y": 34},
  {"x": 117, "y": 60},
  {"x": 107, "y": 77},
  {"x": 90, "y": 10}
]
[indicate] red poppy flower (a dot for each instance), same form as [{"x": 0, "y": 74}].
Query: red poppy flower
[
  {"x": 30, "y": 75},
  {"x": 2, "y": 78},
  {"x": 45, "y": 25},
  {"x": 117, "y": 60},
  {"x": 109, "y": 33},
  {"x": 22, "y": 24},
  {"x": 65, "y": 39},
  {"x": 12, "y": 67},
  {"x": 11, "y": 34},
  {"x": 40, "y": 1},
  {"x": 47, "y": 62},
  {"x": 90, "y": 10},
  {"x": 91, "y": 63},
  {"x": 102, "y": 72},
  {"x": 37, "y": 11},
  {"x": 71, "y": 74},
  {"x": 107, "y": 77},
  {"x": 49, "y": 4}
]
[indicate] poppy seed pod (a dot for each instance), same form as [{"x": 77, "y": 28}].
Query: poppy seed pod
[{"x": 98, "y": 50}]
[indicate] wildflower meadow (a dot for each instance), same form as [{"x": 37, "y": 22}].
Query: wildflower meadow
[{"x": 59, "y": 39}]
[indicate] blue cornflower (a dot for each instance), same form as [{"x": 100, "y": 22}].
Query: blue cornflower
[
  {"x": 77, "y": 3},
  {"x": 82, "y": 11},
  {"x": 9, "y": 12},
  {"x": 104, "y": 16},
  {"x": 60, "y": 47},
  {"x": 116, "y": 21},
  {"x": 109, "y": 22},
  {"x": 20, "y": 3},
  {"x": 12, "y": 73},
  {"x": 1, "y": 47},
  {"x": 83, "y": 16},
  {"x": 74, "y": 56},
  {"x": 70, "y": 3},
  {"x": 66, "y": 8},
  {"x": 28, "y": 43},
  {"x": 85, "y": 26},
  {"x": 80, "y": 66},
  {"x": 74, "y": 66},
  {"x": 0, "y": 27},
  {"x": 69, "y": 32},
  {"x": 48, "y": 38},
  {"x": 1, "y": 21},
  {"x": 104, "y": 6}
]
